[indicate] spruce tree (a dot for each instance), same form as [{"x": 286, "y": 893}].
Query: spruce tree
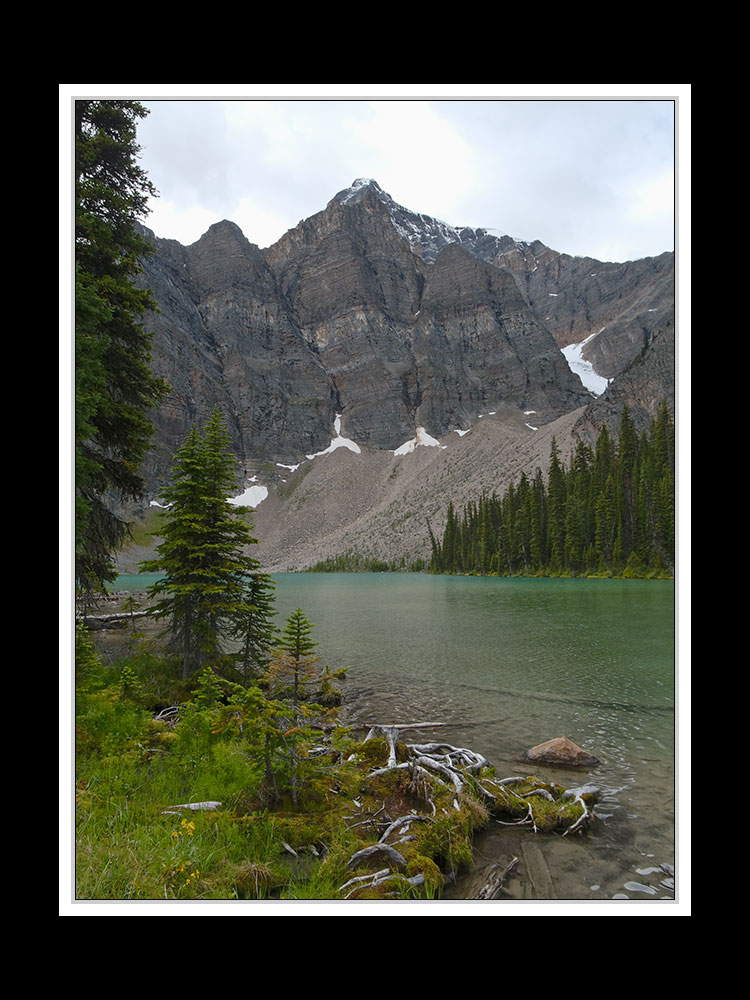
[
  {"x": 610, "y": 510},
  {"x": 202, "y": 556},
  {"x": 522, "y": 524},
  {"x": 627, "y": 457},
  {"x": 296, "y": 636},
  {"x": 556, "y": 510},
  {"x": 253, "y": 624},
  {"x": 537, "y": 525},
  {"x": 450, "y": 541},
  {"x": 115, "y": 387},
  {"x": 577, "y": 509}
]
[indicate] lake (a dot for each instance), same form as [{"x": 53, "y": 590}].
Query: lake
[{"x": 508, "y": 664}]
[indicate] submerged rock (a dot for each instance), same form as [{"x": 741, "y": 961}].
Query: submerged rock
[{"x": 561, "y": 752}]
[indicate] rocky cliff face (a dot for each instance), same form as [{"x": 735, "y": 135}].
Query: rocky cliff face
[{"x": 391, "y": 320}]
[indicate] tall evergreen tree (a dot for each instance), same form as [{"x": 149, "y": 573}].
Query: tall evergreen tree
[
  {"x": 627, "y": 458},
  {"x": 115, "y": 386},
  {"x": 556, "y": 493},
  {"x": 450, "y": 541},
  {"x": 203, "y": 558},
  {"x": 537, "y": 526}
]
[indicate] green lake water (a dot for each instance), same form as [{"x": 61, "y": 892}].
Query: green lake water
[{"x": 510, "y": 663}]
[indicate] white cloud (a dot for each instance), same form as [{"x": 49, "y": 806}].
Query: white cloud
[
  {"x": 587, "y": 177},
  {"x": 185, "y": 223},
  {"x": 416, "y": 155},
  {"x": 652, "y": 199}
]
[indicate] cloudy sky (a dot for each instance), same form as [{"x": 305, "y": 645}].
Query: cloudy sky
[{"x": 593, "y": 175}]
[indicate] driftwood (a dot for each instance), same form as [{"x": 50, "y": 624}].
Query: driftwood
[
  {"x": 84, "y": 616},
  {"x": 493, "y": 885}
]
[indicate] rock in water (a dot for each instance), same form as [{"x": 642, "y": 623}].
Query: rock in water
[{"x": 561, "y": 752}]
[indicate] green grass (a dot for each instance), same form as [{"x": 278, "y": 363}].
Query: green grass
[
  {"x": 289, "y": 842},
  {"x": 131, "y": 770}
]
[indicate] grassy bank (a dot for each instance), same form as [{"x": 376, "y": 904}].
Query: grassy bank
[{"x": 290, "y": 805}]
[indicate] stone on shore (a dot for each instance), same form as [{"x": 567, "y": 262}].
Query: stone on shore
[{"x": 560, "y": 752}]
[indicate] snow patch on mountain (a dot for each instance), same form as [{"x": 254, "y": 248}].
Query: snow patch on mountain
[
  {"x": 422, "y": 439},
  {"x": 253, "y": 495},
  {"x": 337, "y": 442},
  {"x": 584, "y": 369}
]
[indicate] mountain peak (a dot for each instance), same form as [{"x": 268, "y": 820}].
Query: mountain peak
[{"x": 359, "y": 189}]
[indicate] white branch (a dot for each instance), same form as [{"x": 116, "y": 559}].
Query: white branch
[{"x": 198, "y": 806}]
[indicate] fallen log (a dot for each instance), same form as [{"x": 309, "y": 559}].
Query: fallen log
[
  {"x": 117, "y": 620},
  {"x": 115, "y": 614}
]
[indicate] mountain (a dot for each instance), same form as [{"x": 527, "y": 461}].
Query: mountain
[{"x": 372, "y": 331}]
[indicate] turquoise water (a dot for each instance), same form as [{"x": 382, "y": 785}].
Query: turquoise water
[{"x": 508, "y": 664}]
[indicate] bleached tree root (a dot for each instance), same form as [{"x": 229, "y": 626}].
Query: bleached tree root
[
  {"x": 404, "y": 821},
  {"x": 454, "y": 764},
  {"x": 451, "y": 767},
  {"x": 170, "y": 714},
  {"x": 367, "y": 852},
  {"x": 378, "y": 878},
  {"x": 459, "y": 770},
  {"x": 578, "y": 795}
]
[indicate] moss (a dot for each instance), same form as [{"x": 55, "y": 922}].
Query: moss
[
  {"x": 418, "y": 864},
  {"x": 299, "y": 830},
  {"x": 394, "y": 793},
  {"x": 550, "y": 811},
  {"x": 447, "y": 843},
  {"x": 373, "y": 752}
]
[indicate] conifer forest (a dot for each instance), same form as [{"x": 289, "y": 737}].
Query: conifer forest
[{"x": 611, "y": 511}]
